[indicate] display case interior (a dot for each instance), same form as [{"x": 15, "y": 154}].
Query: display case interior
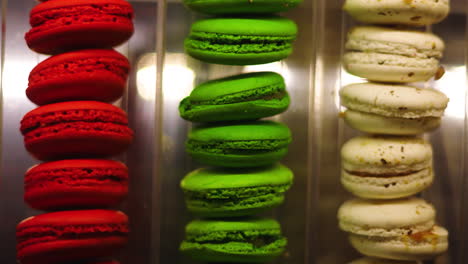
[{"x": 162, "y": 75}]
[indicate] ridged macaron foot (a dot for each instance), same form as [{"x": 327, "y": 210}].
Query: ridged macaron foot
[
  {"x": 386, "y": 167},
  {"x": 240, "y": 7},
  {"x": 407, "y": 12},
  {"x": 98, "y": 75},
  {"x": 77, "y": 183},
  {"x": 241, "y": 97},
  {"x": 241, "y": 40},
  {"x": 76, "y": 129},
  {"x": 392, "y": 109},
  {"x": 218, "y": 192},
  {"x": 251, "y": 240},
  {"x": 401, "y": 229},
  {"x": 385, "y": 54},
  {"x": 62, "y": 25},
  {"x": 63, "y": 237},
  {"x": 248, "y": 144},
  {"x": 369, "y": 260}
]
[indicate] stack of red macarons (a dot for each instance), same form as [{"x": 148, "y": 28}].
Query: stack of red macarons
[{"x": 74, "y": 131}]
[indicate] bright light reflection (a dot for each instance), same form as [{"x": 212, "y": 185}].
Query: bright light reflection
[
  {"x": 453, "y": 84},
  {"x": 178, "y": 79}
]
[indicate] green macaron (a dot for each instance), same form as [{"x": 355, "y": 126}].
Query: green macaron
[
  {"x": 234, "y": 241},
  {"x": 217, "y": 192},
  {"x": 241, "y": 97},
  {"x": 248, "y": 144},
  {"x": 227, "y": 7},
  {"x": 241, "y": 40}
]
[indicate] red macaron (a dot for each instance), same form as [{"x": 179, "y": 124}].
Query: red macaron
[
  {"x": 76, "y": 129},
  {"x": 78, "y": 183},
  {"x": 71, "y": 236},
  {"x": 98, "y": 75},
  {"x": 63, "y": 25}
]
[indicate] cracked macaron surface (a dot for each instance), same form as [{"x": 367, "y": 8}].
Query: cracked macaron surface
[
  {"x": 76, "y": 129},
  {"x": 240, "y": 97},
  {"x": 98, "y": 75},
  {"x": 218, "y": 192},
  {"x": 393, "y": 55},
  {"x": 62, "y": 25},
  {"x": 241, "y": 41}
]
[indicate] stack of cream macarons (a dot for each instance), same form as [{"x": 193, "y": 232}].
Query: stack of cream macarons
[{"x": 385, "y": 169}]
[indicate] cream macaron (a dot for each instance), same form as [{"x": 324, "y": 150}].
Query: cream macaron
[
  {"x": 369, "y": 260},
  {"x": 392, "y": 109},
  {"x": 392, "y": 55},
  {"x": 401, "y": 229},
  {"x": 386, "y": 167},
  {"x": 406, "y": 12}
]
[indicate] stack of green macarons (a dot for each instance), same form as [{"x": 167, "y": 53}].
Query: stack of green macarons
[
  {"x": 243, "y": 176},
  {"x": 386, "y": 168}
]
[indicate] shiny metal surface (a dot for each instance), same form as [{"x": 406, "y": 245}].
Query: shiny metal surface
[{"x": 162, "y": 75}]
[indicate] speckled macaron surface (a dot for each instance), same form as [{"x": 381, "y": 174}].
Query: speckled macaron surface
[
  {"x": 386, "y": 167},
  {"x": 392, "y": 55},
  {"x": 369, "y": 260},
  {"x": 392, "y": 109},
  {"x": 406, "y": 12}
]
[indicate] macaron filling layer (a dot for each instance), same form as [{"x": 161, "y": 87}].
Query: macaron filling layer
[
  {"x": 119, "y": 67},
  {"x": 247, "y": 197},
  {"x": 79, "y": 177},
  {"x": 39, "y": 126},
  {"x": 32, "y": 235},
  {"x": 237, "y": 242},
  {"x": 239, "y": 44},
  {"x": 395, "y": 48},
  {"x": 237, "y": 147},
  {"x": 272, "y": 92},
  {"x": 53, "y": 18},
  {"x": 383, "y": 59}
]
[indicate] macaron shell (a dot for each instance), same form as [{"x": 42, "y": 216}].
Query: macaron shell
[
  {"x": 38, "y": 243},
  {"x": 386, "y": 155},
  {"x": 383, "y": 125},
  {"x": 99, "y": 75},
  {"x": 219, "y": 178},
  {"x": 232, "y": 241},
  {"x": 389, "y": 68},
  {"x": 241, "y": 97},
  {"x": 228, "y": 193},
  {"x": 76, "y": 129},
  {"x": 427, "y": 247},
  {"x": 386, "y": 218},
  {"x": 414, "y": 12},
  {"x": 241, "y": 41},
  {"x": 63, "y": 25},
  {"x": 369, "y": 260},
  {"x": 394, "y": 100},
  {"x": 217, "y": 7},
  {"x": 387, "y": 187},
  {"x": 76, "y": 184}
]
